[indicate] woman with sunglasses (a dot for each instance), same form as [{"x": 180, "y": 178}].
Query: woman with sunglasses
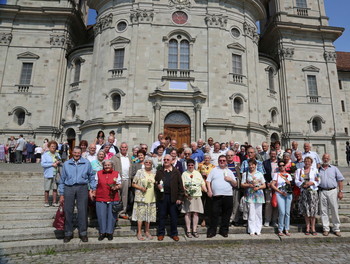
[
  {"x": 281, "y": 184},
  {"x": 194, "y": 185}
]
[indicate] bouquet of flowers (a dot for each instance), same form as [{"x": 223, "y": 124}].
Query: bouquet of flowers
[
  {"x": 147, "y": 183},
  {"x": 190, "y": 187},
  {"x": 112, "y": 185},
  {"x": 256, "y": 182}
]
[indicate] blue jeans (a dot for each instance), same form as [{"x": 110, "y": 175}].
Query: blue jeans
[
  {"x": 106, "y": 218},
  {"x": 284, "y": 203}
]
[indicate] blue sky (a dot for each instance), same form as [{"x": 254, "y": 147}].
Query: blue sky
[{"x": 338, "y": 12}]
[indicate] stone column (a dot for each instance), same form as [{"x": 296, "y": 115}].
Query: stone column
[
  {"x": 197, "y": 109},
  {"x": 157, "y": 106}
]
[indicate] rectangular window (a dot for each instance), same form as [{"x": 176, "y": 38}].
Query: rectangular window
[
  {"x": 118, "y": 58},
  {"x": 301, "y": 3},
  {"x": 173, "y": 54},
  {"x": 342, "y": 106},
  {"x": 340, "y": 84},
  {"x": 26, "y": 74},
  {"x": 346, "y": 130},
  {"x": 312, "y": 85},
  {"x": 77, "y": 71},
  {"x": 236, "y": 64}
]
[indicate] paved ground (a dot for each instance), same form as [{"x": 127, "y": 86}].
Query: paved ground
[{"x": 225, "y": 253}]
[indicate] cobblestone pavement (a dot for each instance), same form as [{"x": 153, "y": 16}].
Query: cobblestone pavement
[{"x": 315, "y": 252}]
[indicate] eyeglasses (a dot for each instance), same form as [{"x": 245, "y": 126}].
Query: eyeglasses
[
  {"x": 187, "y": 153},
  {"x": 144, "y": 148},
  {"x": 282, "y": 165},
  {"x": 250, "y": 152},
  {"x": 166, "y": 159},
  {"x": 222, "y": 160}
]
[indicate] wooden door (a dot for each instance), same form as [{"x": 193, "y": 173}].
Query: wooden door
[
  {"x": 181, "y": 133},
  {"x": 71, "y": 143}
]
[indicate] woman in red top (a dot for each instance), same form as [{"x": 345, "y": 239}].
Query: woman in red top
[{"x": 108, "y": 184}]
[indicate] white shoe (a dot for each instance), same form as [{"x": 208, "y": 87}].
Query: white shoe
[
  {"x": 252, "y": 234},
  {"x": 258, "y": 234},
  {"x": 55, "y": 205},
  {"x": 46, "y": 205},
  {"x": 267, "y": 224}
]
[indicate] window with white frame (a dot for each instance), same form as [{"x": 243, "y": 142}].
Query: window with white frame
[
  {"x": 271, "y": 80},
  {"x": 26, "y": 73},
  {"x": 301, "y": 3},
  {"x": 236, "y": 64},
  {"x": 119, "y": 58},
  {"x": 77, "y": 69},
  {"x": 179, "y": 53},
  {"x": 312, "y": 85}
]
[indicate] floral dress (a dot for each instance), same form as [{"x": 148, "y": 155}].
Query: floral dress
[
  {"x": 145, "y": 202},
  {"x": 308, "y": 200},
  {"x": 257, "y": 179}
]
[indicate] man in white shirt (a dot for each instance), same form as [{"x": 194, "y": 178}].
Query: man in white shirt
[
  {"x": 215, "y": 154},
  {"x": 294, "y": 149},
  {"x": 219, "y": 183},
  {"x": 156, "y": 143},
  {"x": 308, "y": 153},
  {"x": 19, "y": 149},
  {"x": 122, "y": 163},
  {"x": 92, "y": 155},
  {"x": 113, "y": 149}
]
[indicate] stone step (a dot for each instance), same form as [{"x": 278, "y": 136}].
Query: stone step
[
  {"x": 50, "y": 246},
  {"x": 27, "y": 216},
  {"x": 130, "y": 231},
  {"x": 28, "y": 209}
]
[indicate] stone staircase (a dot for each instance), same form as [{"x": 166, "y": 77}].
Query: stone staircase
[{"x": 26, "y": 225}]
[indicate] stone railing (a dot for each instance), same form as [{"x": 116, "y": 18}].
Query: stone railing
[
  {"x": 313, "y": 98},
  {"x": 302, "y": 11},
  {"x": 237, "y": 78},
  {"x": 117, "y": 73},
  {"x": 23, "y": 88}
]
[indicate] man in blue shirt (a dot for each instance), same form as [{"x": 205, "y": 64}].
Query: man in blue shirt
[
  {"x": 197, "y": 154},
  {"x": 76, "y": 175}
]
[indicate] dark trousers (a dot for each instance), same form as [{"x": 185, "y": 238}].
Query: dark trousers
[
  {"x": 74, "y": 193},
  {"x": 222, "y": 206},
  {"x": 166, "y": 207},
  {"x": 12, "y": 155}
]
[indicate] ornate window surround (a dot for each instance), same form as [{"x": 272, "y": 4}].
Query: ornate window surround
[
  {"x": 26, "y": 57},
  {"x": 237, "y": 49},
  {"x": 311, "y": 70},
  {"x": 243, "y": 99},
  {"x": 119, "y": 43}
]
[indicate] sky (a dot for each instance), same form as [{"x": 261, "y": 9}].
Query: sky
[{"x": 338, "y": 12}]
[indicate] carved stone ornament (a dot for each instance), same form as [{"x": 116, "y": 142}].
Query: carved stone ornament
[
  {"x": 330, "y": 56},
  {"x": 216, "y": 20},
  {"x": 286, "y": 53},
  {"x": 180, "y": 4},
  {"x": 251, "y": 32},
  {"x": 5, "y": 38},
  {"x": 103, "y": 23},
  {"x": 141, "y": 16},
  {"x": 57, "y": 40}
]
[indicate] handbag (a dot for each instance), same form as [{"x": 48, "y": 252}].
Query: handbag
[
  {"x": 58, "y": 223},
  {"x": 274, "y": 196},
  {"x": 117, "y": 207}
]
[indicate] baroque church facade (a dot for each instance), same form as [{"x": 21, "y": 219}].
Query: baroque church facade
[{"x": 252, "y": 70}]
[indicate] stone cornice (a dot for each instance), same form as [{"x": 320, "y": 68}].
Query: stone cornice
[
  {"x": 5, "y": 38},
  {"x": 132, "y": 120}
]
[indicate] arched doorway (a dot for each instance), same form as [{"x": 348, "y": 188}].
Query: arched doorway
[
  {"x": 71, "y": 140},
  {"x": 177, "y": 125}
]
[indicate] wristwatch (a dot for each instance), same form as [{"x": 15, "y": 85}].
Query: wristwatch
[{"x": 340, "y": 190}]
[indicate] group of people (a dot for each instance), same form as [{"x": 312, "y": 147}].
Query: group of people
[
  {"x": 25, "y": 151},
  {"x": 204, "y": 181}
]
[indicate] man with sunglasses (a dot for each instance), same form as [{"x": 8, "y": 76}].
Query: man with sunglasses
[
  {"x": 169, "y": 194},
  {"x": 219, "y": 183}
]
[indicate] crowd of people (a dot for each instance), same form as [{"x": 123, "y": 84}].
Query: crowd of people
[
  {"x": 212, "y": 184},
  {"x": 25, "y": 151}
]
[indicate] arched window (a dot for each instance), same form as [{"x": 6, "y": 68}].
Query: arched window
[
  {"x": 116, "y": 101},
  {"x": 273, "y": 116},
  {"x": 73, "y": 109},
  {"x": 238, "y": 105},
  {"x": 271, "y": 81},
  {"x": 20, "y": 117},
  {"x": 316, "y": 124},
  {"x": 179, "y": 53}
]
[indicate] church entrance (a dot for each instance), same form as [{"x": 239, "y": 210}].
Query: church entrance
[{"x": 177, "y": 125}]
